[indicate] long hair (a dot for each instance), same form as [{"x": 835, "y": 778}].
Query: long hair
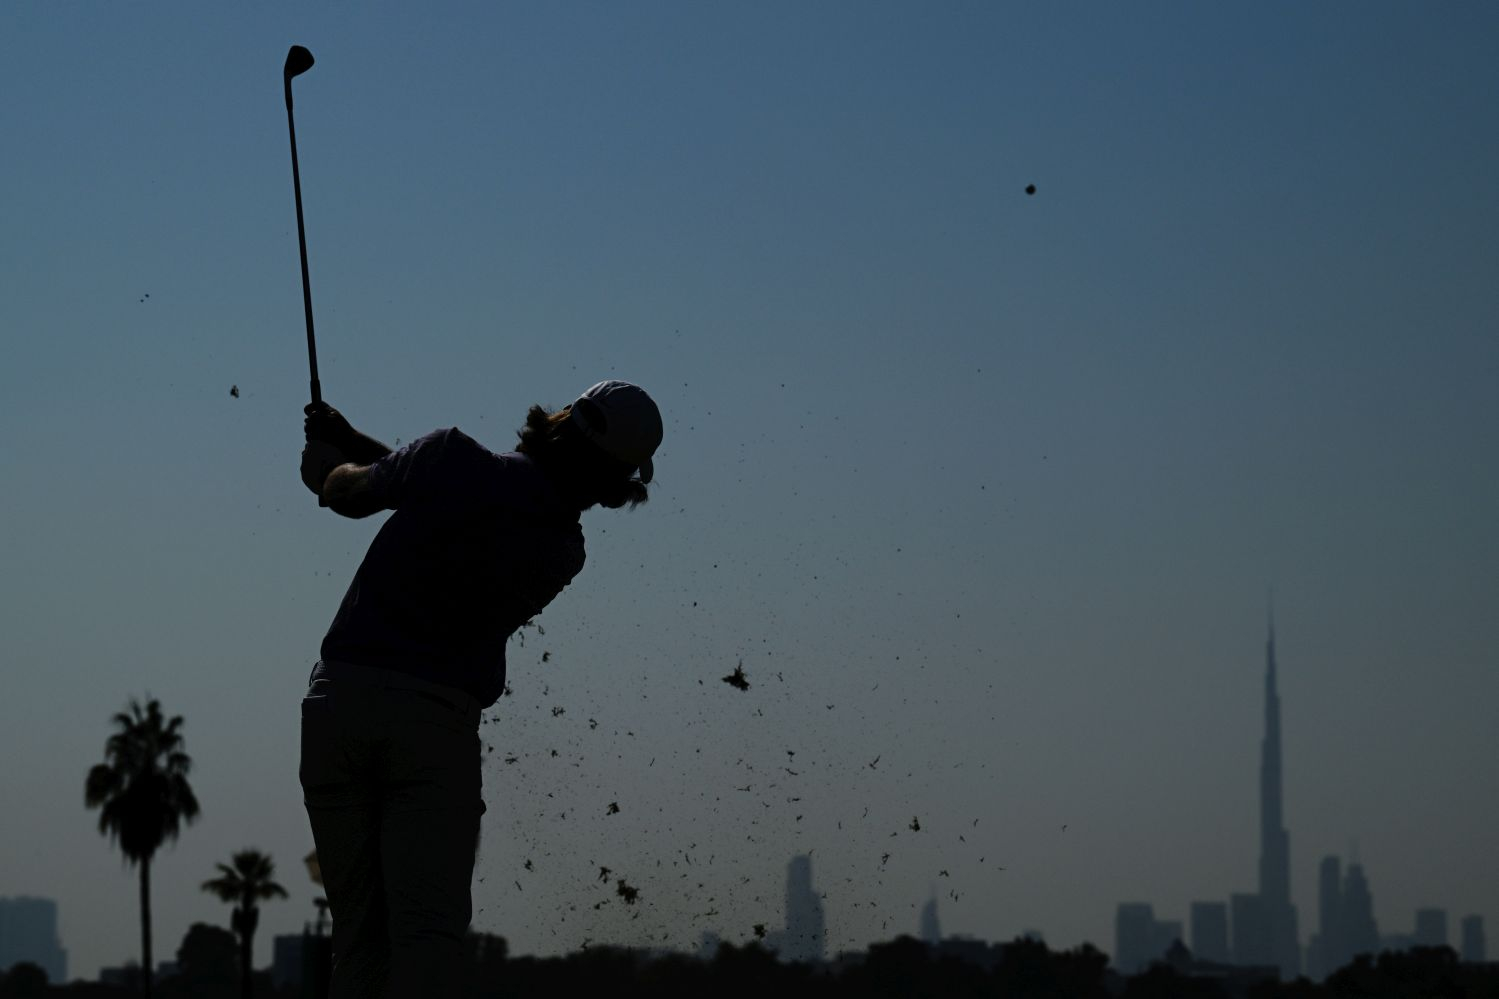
[{"x": 554, "y": 441}]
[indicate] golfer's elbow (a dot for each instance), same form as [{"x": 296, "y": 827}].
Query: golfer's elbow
[{"x": 346, "y": 491}]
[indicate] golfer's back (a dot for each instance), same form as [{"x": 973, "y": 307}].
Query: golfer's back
[{"x": 479, "y": 543}]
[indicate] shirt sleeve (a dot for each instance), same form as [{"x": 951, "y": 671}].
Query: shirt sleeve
[{"x": 415, "y": 474}]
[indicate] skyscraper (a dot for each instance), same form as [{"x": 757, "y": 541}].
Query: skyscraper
[
  {"x": 1473, "y": 949},
  {"x": 1134, "y": 937},
  {"x": 28, "y": 932},
  {"x": 931, "y": 929},
  {"x": 1360, "y": 933},
  {"x": 1325, "y": 954},
  {"x": 1210, "y": 932},
  {"x": 1431, "y": 928},
  {"x": 805, "y": 929},
  {"x": 1282, "y": 945},
  {"x": 1251, "y": 932}
]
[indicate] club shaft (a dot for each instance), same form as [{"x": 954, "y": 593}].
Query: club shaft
[{"x": 296, "y": 181}]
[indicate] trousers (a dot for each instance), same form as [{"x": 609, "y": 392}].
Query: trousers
[{"x": 390, "y": 772}]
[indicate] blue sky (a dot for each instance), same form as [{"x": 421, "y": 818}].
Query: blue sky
[{"x": 1004, "y": 478}]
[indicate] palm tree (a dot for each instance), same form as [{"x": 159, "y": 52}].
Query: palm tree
[
  {"x": 142, "y": 792},
  {"x": 245, "y": 881}
]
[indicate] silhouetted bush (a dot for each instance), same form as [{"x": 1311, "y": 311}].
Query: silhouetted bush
[
  {"x": 23, "y": 981},
  {"x": 1424, "y": 971}
]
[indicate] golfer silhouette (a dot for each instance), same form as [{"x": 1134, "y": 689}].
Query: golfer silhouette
[{"x": 478, "y": 545}]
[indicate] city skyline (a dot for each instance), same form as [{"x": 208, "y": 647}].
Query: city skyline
[
  {"x": 28, "y": 932},
  {"x": 798, "y": 881},
  {"x": 1263, "y": 927}
]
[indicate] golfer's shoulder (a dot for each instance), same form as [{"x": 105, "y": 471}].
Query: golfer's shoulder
[{"x": 452, "y": 448}]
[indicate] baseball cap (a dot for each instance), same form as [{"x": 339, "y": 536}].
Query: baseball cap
[{"x": 622, "y": 420}]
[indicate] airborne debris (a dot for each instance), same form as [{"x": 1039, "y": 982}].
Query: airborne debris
[
  {"x": 613, "y": 808},
  {"x": 736, "y": 679},
  {"x": 546, "y": 657},
  {"x": 604, "y": 873},
  {"x": 625, "y": 892},
  {"x": 1030, "y": 189},
  {"x": 760, "y": 930},
  {"x": 234, "y": 391},
  {"x": 915, "y": 824}
]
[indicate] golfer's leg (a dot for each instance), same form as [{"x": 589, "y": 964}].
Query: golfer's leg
[
  {"x": 345, "y": 817},
  {"x": 431, "y": 828}
]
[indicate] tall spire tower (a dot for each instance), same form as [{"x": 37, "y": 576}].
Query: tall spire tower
[{"x": 1275, "y": 842}]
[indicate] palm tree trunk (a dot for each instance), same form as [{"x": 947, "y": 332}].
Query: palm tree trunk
[
  {"x": 246, "y": 958},
  {"x": 146, "y": 927}
]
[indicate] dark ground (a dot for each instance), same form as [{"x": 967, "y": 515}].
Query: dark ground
[{"x": 904, "y": 968}]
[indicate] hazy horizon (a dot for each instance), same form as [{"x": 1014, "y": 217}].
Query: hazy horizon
[{"x": 1003, "y": 478}]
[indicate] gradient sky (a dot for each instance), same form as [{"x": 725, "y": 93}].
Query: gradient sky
[{"x": 1003, "y": 480}]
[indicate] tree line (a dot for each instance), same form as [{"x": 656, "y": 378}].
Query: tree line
[{"x": 904, "y": 968}]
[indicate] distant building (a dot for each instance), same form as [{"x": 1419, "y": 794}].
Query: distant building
[
  {"x": 1277, "y": 916},
  {"x": 806, "y": 930},
  {"x": 1325, "y": 952},
  {"x": 286, "y": 960},
  {"x": 1251, "y": 937},
  {"x": 1210, "y": 931},
  {"x": 1164, "y": 935},
  {"x": 1139, "y": 938},
  {"x": 707, "y": 945},
  {"x": 1134, "y": 928},
  {"x": 931, "y": 928},
  {"x": 1359, "y": 933},
  {"x": 28, "y": 932},
  {"x": 1264, "y": 923},
  {"x": 804, "y": 936},
  {"x": 1474, "y": 951},
  {"x": 1431, "y": 928}
]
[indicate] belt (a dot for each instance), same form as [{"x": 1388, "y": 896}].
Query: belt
[{"x": 332, "y": 669}]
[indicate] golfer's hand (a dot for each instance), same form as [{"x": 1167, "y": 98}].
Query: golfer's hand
[
  {"x": 324, "y": 423},
  {"x": 318, "y": 459}
]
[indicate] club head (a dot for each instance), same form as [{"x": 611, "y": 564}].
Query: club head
[{"x": 298, "y": 61}]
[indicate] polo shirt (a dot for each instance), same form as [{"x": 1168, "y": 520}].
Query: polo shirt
[{"x": 478, "y": 544}]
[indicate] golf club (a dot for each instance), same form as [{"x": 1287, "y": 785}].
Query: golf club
[{"x": 298, "y": 61}]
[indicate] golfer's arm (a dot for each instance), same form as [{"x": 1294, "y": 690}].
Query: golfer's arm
[
  {"x": 366, "y": 450},
  {"x": 346, "y": 491}
]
